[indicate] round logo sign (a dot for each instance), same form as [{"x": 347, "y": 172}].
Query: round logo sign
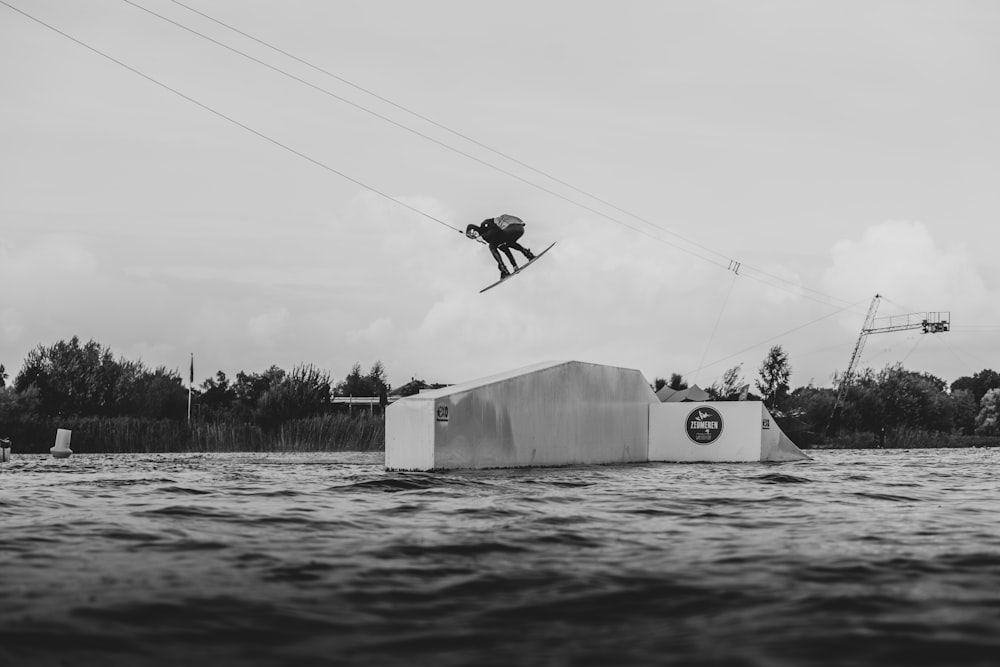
[{"x": 704, "y": 425}]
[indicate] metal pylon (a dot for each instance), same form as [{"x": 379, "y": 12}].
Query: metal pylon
[{"x": 928, "y": 323}]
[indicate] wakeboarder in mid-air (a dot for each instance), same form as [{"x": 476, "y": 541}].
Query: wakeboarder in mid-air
[{"x": 501, "y": 234}]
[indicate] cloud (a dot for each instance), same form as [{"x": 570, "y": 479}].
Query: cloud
[
  {"x": 785, "y": 286},
  {"x": 50, "y": 286},
  {"x": 379, "y": 331},
  {"x": 598, "y": 296},
  {"x": 11, "y": 325},
  {"x": 902, "y": 261},
  {"x": 49, "y": 266},
  {"x": 267, "y": 327}
]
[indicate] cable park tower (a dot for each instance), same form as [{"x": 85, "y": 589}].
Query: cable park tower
[{"x": 928, "y": 322}]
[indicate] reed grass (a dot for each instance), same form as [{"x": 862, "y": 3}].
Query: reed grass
[
  {"x": 327, "y": 433},
  {"x": 905, "y": 438},
  {"x": 362, "y": 431}
]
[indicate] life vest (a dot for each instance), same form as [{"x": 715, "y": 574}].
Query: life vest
[{"x": 504, "y": 221}]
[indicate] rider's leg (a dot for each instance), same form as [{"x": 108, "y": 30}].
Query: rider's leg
[
  {"x": 524, "y": 251},
  {"x": 510, "y": 257},
  {"x": 500, "y": 265},
  {"x": 512, "y": 234}
]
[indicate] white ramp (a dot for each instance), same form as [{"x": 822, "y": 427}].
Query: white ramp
[
  {"x": 719, "y": 431},
  {"x": 552, "y": 413}
]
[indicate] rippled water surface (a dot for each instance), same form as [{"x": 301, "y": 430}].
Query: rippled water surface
[{"x": 858, "y": 557}]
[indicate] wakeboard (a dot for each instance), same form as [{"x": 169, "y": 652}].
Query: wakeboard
[{"x": 519, "y": 270}]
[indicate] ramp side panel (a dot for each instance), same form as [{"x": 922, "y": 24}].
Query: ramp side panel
[
  {"x": 409, "y": 435},
  {"x": 769, "y": 433},
  {"x": 567, "y": 414},
  {"x": 738, "y": 441},
  {"x": 776, "y": 447}
]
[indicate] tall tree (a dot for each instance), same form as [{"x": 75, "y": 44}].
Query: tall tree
[
  {"x": 978, "y": 384},
  {"x": 160, "y": 394},
  {"x": 304, "y": 392},
  {"x": 677, "y": 382},
  {"x": 988, "y": 419},
  {"x": 728, "y": 388},
  {"x": 354, "y": 384},
  {"x": 73, "y": 379},
  {"x": 379, "y": 380},
  {"x": 965, "y": 410},
  {"x": 372, "y": 384},
  {"x": 774, "y": 374},
  {"x": 250, "y": 387},
  {"x": 914, "y": 399},
  {"x": 217, "y": 395}
]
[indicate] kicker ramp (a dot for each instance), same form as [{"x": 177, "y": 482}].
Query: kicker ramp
[
  {"x": 572, "y": 413},
  {"x": 552, "y": 413}
]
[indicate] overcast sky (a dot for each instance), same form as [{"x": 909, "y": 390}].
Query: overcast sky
[{"x": 256, "y": 214}]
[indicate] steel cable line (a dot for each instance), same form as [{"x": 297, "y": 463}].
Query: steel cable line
[
  {"x": 790, "y": 288},
  {"x": 332, "y": 169},
  {"x": 401, "y": 126},
  {"x": 450, "y": 130},
  {"x": 904, "y": 308},
  {"x": 230, "y": 119},
  {"x": 768, "y": 340},
  {"x": 495, "y": 151},
  {"x": 959, "y": 354},
  {"x": 436, "y": 124},
  {"x": 486, "y": 147},
  {"x": 473, "y": 141},
  {"x": 718, "y": 319},
  {"x": 423, "y": 135},
  {"x": 912, "y": 349}
]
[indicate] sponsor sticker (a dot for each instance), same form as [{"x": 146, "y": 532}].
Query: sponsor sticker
[
  {"x": 704, "y": 425},
  {"x": 441, "y": 413}
]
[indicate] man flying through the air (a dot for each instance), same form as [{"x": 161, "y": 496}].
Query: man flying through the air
[{"x": 501, "y": 233}]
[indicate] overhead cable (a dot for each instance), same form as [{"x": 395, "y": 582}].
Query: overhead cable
[
  {"x": 229, "y": 118},
  {"x": 474, "y": 141}
]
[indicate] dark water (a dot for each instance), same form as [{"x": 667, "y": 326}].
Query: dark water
[{"x": 876, "y": 557}]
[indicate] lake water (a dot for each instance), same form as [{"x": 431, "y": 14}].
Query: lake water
[{"x": 882, "y": 557}]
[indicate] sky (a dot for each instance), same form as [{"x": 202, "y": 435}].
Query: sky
[{"x": 259, "y": 183}]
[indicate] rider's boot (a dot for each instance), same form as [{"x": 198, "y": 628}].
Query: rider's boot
[
  {"x": 504, "y": 273},
  {"x": 530, "y": 255}
]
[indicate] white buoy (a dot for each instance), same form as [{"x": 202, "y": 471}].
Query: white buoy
[
  {"x": 4, "y": 450},
  {"x": 62, "y": 450}
]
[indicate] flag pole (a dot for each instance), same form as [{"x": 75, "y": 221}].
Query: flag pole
[{"x": 190, "y": 387}]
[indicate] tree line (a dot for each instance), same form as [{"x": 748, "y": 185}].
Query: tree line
[
  {"x": 74, "y": 379},
  {"x": 875, "y": 402},
  {"x": 70, "y": 379}
]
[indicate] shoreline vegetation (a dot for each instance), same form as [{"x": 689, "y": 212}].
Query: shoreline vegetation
[
  {"x": 904, "y": 439},
  {"x": 119, "y": 405},
  {"x": 361, "y": 432}
]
